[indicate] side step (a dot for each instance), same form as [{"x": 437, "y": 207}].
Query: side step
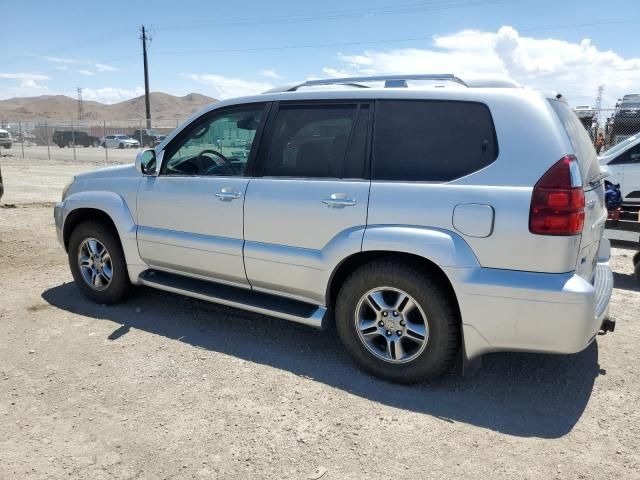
[{"x": 293, "y": 310}]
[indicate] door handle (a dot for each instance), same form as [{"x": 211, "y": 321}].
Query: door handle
[
  {"x": 339, "y": 200},
  {"x": 226, "y": 195}
]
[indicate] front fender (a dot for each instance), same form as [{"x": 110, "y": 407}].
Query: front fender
[{"x": 117, "y": 209}]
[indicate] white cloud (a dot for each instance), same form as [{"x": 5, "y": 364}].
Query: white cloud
[
  {"x": 574, "y": 69},
  {"x": 27, "y": 79},
  {"x": 270, "y": 73},
  {"x": 225, "y": 87},
  {"x": 110, "y": 94},
  {"x": 99, "y": 67},
  {"x": 85, "y": 72}
]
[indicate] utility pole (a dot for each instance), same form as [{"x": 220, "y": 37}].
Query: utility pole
[
  {"x": 144, "y": 39},
  {"x": 80, "y": 104}
]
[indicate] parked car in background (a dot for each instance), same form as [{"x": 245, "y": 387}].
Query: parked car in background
[
  {"x": 148, "y": 137},
  {"x": 626, "y": 118},
  {"x": 70, "y": 138},
  {"x": 5, "y": 139},
  {"x": 120, "y": 141},
  {"x": 622, "y": 162},
  {"x": 586, "y": 114},
  {"x": 426, "y": 223}
]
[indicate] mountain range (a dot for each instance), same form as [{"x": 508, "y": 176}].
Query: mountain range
[{"x": 60, "y": 107}]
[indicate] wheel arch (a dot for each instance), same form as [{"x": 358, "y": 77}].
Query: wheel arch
[
  {"x": 355, "y": 261},
  {"x": 81, "y": 215},
  {"x": 112, "y": 210}
]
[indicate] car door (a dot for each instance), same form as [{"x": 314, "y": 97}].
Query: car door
[
  {"x": 109, "y": 141},
  {"x": 624, "y": 169},
  {"x": 190, "y": 215},
  {"x": 631, "y": 176},
  {"x": 306, "y": 206}
]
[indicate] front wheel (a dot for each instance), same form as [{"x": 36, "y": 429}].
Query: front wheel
[
  {"x": 121, "y": 145},
  {"x": 97, "y": 263},
  {"x": 7, "y": 146},
  {"x": 397, "y": 322}
]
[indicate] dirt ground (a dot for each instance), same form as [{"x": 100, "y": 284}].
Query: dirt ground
[{"x": 167, "y": 387}]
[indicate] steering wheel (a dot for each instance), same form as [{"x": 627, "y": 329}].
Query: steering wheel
[{"x": 225, "y": 160}]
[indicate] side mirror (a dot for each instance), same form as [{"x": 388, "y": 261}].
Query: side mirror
[{"x": 146, "y": 162}]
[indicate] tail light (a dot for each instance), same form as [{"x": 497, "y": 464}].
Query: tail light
[{"x": 557, "y": 203}]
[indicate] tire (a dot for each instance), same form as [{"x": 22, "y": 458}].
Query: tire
[
  {"x": 119, "y": 286},
  {"x": 636, "y": 263},
  {"x": 434, "y": 302},
  {"x": 7, "y": 146},
  {"x": 121, "y": 145}
]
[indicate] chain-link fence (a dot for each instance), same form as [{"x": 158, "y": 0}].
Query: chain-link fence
[
  {"x": 114, "y": 141},
  {"x": 609, "y": 126},
  {"x": 117, "y": 141}
]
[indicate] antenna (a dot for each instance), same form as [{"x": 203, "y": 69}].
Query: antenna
[{"x": 80, "y": 104}]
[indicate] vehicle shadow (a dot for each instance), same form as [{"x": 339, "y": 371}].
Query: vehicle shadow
[
  {"x": 519, "y": 394},
  {"x": 626, "y": 282}
]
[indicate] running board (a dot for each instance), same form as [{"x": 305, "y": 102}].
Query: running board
[{"x": 258, "y": 302}]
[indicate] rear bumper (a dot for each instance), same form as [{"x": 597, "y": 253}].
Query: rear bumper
[{"x": 534, "y": 312}]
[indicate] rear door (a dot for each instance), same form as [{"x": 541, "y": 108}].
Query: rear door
[
  {"x": 595, "y": 208},
  {"x": 309, "y": 197}
]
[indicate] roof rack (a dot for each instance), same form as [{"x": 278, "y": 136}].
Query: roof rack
[{"x": 398, "y": 81}]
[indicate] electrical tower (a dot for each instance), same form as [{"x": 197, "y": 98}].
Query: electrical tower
[
  {"x": 80, "y": 104},
  {"x": 598, "y": 105},
  {"x": 145, "y": 38}
]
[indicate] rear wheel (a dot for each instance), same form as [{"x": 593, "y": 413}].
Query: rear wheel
[
  {"x": 121, "y": 145},
  {"x": 7, "y": 146},
  {"x": 397, "y": 322},
  {"x": 97, "y": 263}
]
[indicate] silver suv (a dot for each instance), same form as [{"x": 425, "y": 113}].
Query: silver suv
[{"x": 422, "y": 222}]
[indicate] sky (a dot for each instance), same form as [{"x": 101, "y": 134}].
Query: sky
[{"x": 227, "y": 49}]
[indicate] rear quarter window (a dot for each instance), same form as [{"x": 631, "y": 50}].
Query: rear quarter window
[
  {"x": 431, "y": 140},
  {"x": 579, "y": 138}
]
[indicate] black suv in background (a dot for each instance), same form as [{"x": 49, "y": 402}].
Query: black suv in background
[
  {"x": 626, "y": 119},
  {"x": 147, "y": 137},
  {"x": 69, "y": 138}
]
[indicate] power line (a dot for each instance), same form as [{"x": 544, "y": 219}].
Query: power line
[
  {"x": 433, "y": 5},
  {"x": 374, "y": 42}
]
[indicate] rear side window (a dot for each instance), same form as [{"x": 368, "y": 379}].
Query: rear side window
[
  {"x": 431, "y": 141},
  {"x": 584, "y": 151},
  {"x": 313, "y": 141}
]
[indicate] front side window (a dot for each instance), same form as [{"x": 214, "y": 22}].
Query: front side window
[
  {"x": 218, "y": 145},
  {"x": 318, "y": 141},
  {"x": 630, "y": 156},
  {"x": 431, "y": 141}
]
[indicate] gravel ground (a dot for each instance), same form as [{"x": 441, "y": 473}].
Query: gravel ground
[{"x": 167, "y": 387}]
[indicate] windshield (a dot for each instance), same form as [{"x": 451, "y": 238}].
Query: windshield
[
  {"x": 621, "y": 146},
  {"x": 122, "y": 137}
]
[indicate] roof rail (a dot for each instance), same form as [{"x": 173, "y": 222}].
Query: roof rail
[{"x": 390, "y": 81}]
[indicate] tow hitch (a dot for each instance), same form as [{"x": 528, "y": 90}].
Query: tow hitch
[{"x": 608, "y": 325}]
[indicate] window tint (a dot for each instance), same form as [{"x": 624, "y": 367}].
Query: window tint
[
  {"x": 431, "y": 140},
  {"x": 584, "y": 150},
  {"x": 311, "y": 141},
  {"x": 216, "y": 146},
  {"x": 630, "y": 156}
]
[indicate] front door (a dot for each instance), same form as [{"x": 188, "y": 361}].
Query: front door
[
  {"x": 307, "y": 204},
  {"x": 190, "y": 216}
]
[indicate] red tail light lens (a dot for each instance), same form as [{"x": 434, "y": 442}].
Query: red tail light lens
[{"x": 557, "y": 203}]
